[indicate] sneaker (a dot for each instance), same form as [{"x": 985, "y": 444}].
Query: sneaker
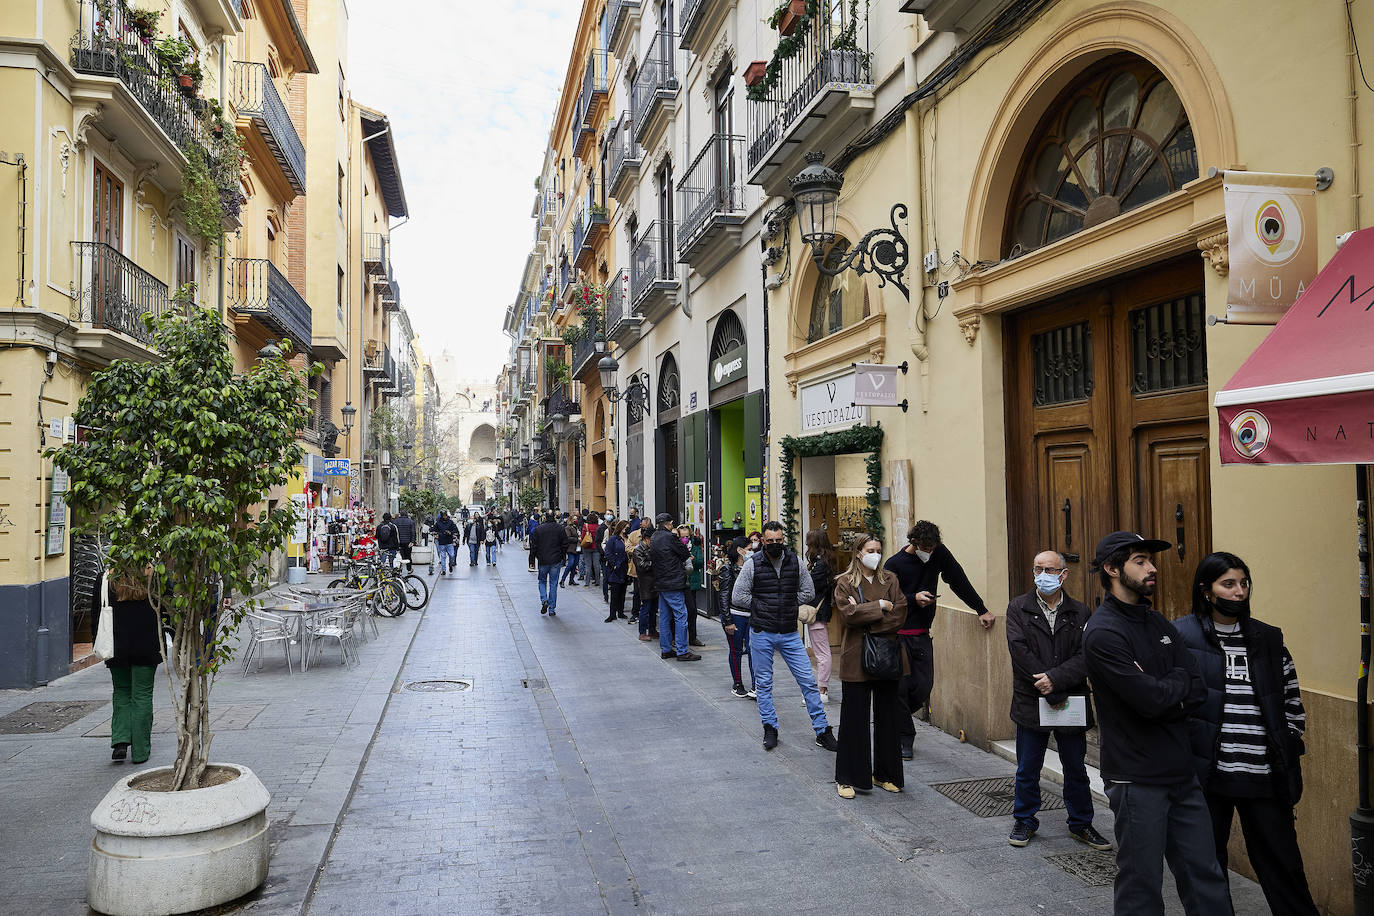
[
  {"x": 668, "y": 654},
  {"x": 739, "y": 691},
  {"x": 826, "y": 739},
  {"x": 825, "y": 696},
  {"x": 552, "y": 612},
  {"x": 543, "y": 607},
  {"x": 843, "y": 790},
  {"x": 753, "y": 694},
  {"x": 907, "y": 747},
  {"x": 689, "y": 657},
  {"x": 645, "y": 637},
  {"x": 886, "y": 786},
  {"x": 770, "y": 737},
  {"x": 1090, "y": 837},
  {"x": 1021, "y": 835}
]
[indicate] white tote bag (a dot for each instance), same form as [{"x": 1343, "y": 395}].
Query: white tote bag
[{"x": 104, "y": 634}]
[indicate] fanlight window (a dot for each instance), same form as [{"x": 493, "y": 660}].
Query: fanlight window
[
  {"x": 668, "y": 395},
  {"x": 1115, "y": 140},
  {"x": 837, "y": 302},
  {"x": 729, "y": 335}
]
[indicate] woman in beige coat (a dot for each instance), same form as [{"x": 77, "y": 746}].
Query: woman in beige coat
[{"x": 869, "y": 599}]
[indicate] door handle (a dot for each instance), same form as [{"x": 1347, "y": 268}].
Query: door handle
[
  {"x": 1178, "y": 517},
  {"x": 1068, "y": 531}
]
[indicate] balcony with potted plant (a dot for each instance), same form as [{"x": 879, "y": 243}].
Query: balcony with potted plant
[{"x": 816, "y": 89}]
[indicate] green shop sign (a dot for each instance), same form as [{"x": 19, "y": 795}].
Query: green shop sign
[{"x": 729, "y": 366}]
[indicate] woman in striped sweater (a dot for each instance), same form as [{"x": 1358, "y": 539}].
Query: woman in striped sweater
[{"x": 1247, "y": 737}]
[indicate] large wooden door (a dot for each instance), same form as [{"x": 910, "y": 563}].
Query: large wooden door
[{"x": 1107, "y": 429}]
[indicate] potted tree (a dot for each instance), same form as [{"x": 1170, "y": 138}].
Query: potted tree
[{"x": 173, "y": 465}]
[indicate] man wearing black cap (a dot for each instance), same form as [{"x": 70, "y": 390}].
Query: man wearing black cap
[
  {"x": 1146, "y": 681},
  {"x": 669, "y": 556}
]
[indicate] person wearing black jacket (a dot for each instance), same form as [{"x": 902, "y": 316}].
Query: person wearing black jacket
[
  {"x": 445, "y": 534},
  {"x": 1146, "y": 682},
  {"x": 405, "y": 534},
  {"x": 388, "y": 540},
  {"x": 669, "y": 556},
  {"x": 1045, "y": 639},
  {"x": 474, "y": 535},
  {"x": 549, "y": 547},
  {"x": 1247, "y": 735},
  {"x": 919, "y": 567},
  {"x": 133, "y": 667},
  {"x": 735, "y": 620},
  {"x": 819, "y": 556}
]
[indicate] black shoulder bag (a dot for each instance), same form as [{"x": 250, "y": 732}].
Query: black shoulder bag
[{"x": 882, "y": 654}]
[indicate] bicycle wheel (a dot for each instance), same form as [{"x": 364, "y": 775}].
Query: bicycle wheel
[
  {"x": 393, "y": 593},
  {"x": 338, "y": 583},
  {"x": 416, "y": 591},
  {"x": 384, "y": 597}
]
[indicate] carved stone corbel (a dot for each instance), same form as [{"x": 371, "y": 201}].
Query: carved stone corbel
[
  {"x": 970, "y": 324},
  {"x": 875, "y": 353},
  {"x": 85, "y": 120},
  {"x": 1216, "y": 252},
  {"x": 144, "y": 170},
  {"x": 722, "y": 51},
  {"x": 792, "y": 386}
]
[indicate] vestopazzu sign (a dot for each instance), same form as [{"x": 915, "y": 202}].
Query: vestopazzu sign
[{"x": 875, "y": 385}]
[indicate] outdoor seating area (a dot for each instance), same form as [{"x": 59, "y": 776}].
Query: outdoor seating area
[{"x": 308, "y": 624}]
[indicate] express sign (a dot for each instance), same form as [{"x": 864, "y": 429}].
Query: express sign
[{"x": 728, "y": 367}]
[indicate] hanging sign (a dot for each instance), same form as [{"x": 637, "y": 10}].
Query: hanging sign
[
  {"x": 875, "y": 385},
  {"x": 753, "y": 504},
  {"x": 1271, "y": 237},
  {"x": 336, "y": 467},
  {"x": 830, "y": 404}
]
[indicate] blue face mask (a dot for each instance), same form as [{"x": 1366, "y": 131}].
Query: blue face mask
[{"x": 1047, "y": 583}]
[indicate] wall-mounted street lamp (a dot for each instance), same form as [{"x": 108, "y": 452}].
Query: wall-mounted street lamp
[
  {"x": 635, "y": 393},
  {"x": 816, "y": 197},
  {"x": 348, "y": 412}
]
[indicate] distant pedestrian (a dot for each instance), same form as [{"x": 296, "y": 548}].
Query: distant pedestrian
[
  {"x": 573, "y": 528},
  {"x": 1045, "y": 639},
  {"x": 603, "y": 531},
  {"x": 491, "y": 538},
  {"x": 735, "y": 620},
  {"x": 870, "y": 602},
  {"x": 670, "y": 561},
  {"x": 920, "y": 566},
  {"x": 475, "y": 536},
  {"x": 405, "y": 535},
  {"x": 614, "y": 573},
  {"x": 1146, "y": 681},
  {"x": 773, "y": 585},
  {"x": 820, "y": 566},
  {"x": 445, "y": 535},
  {"x": 549, "y": 547},
  {"x": 388, "y": 541},
  {"x": 1247, "y": 736},
  {"x": 137, "y": 653},
  {"x": 645, "y": 607},
  {"x": 590, "y": 563}
]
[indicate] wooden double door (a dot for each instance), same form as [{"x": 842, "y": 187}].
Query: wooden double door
[{"x": 1107, "y": 428}]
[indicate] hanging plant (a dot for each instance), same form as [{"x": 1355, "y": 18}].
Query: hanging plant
[
  {"x": 788, "y": 47},
  {"x": 200, "y": 196},
  {"x": 841, "y": 442},
  {"x": 557, "y": 370}
]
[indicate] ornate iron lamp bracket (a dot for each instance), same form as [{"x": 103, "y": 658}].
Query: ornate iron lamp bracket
[{"x": 883, "y": 252}]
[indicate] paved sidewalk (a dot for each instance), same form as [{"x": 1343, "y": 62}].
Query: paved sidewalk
[
  {"x": 582, "y": 774},
  {"x": 304, "y": 735}
]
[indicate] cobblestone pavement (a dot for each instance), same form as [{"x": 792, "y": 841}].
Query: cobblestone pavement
[{"x": 582, "y": 774}]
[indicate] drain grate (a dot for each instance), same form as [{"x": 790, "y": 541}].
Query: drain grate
[
  {"x": 990, "y": 797},
  {"x": 533, "y": 682},
  {"x": 47, "y": 716},
  {"x": 1094, "y": 868},
  {"x": 440, "y": 686}
]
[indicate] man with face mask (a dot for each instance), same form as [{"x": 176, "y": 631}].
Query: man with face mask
[
  {"x": 919, "y": 567},
  {"x": 773, "y": 584},
  {"x": 1146, "y": 682},
  {"x": 1045, "y": 638}
]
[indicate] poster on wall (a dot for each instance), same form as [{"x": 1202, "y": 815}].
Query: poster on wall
[
  {"x": 1271, "y": 238},
  {"x": 298, "y": 529},
  {"x": 696, "y": 506},
  {"x": 753, "y": 504}
]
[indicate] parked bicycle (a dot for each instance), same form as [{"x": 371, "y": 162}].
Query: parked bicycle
[{"x": 393, "y": 593}]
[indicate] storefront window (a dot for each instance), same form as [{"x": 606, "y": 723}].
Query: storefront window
[{"x": 838, "y": 302}]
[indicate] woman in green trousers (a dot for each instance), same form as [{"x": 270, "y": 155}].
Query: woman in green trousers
[{"x": 138, "y": 651}]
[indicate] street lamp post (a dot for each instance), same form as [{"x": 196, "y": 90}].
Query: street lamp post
[{"x": 816, "y": 196}]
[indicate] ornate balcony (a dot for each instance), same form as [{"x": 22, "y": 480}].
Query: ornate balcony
[
  {"x": 712, "y": 196},
  {"x": 112, "y": 294},
  {"x": 591, "y": 101},
  {"x": 622, "y": 325},
  {"x": 619, "y": 16},
  {"x": 653, "y": 98},
  {"x": 258, "y": 290},
  {"x": 824, "y": 94},
  {"x": 624, "y": 158},
  {"x": 653, "y": 277},
  {"x": 584, "y": 356},
  {"x": 256, "y": 99}
]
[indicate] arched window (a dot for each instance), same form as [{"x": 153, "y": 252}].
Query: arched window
[
  {"x": 482, "y": 443},
  {"x": 1114, "y": 140},
  {"x": 729, "y": 335},
  {"x": 599, "y": 423},
  {"x": 668, "y": 394},
  {"x": 837, "y": 302}
]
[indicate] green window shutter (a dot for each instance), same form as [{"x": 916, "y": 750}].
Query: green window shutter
[{"x": 753, "y": 435}]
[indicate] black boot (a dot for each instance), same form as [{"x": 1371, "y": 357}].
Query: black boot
[{"x": 119, "y": 751}]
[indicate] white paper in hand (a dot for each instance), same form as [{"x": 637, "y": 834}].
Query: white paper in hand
[{"x": 1073, "y": 715}]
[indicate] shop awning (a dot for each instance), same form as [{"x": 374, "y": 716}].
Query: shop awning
[{"x": 1306, "y": 395}]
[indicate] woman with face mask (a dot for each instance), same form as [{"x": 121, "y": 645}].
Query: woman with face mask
[
  {"x": 819, "y": 564},
  {"x": 868, "y": 599},
  {"x": 1247, "y": 736}
]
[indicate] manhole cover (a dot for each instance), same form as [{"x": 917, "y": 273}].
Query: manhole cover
[
  {"x": 439, "y": 686},
  {"x": 49, "y": 716},
  {"x": 1094, "y": 868},
  {"x": 990, "y": 797}
]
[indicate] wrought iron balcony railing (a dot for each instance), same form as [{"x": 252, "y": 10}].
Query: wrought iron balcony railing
[
  {"x": 618, "y": 13},
  {"x": 712, "y": 185},
  {"x": 595, "y": 84},
  {"x": 259, "y": 289},
  {"x": 256, "y": 97},
  {"x": 690, "y": 17},
  {"x": 617, "y": 307},
  {"x": 584, "y": 356},
  {"x": 655, "y": 83},
  {"x": 624, "y": 159},
  {"x": 830, "y": 53},
  {"x": 579, "y": 229},
  {"x": 564, "y": 278},
  {"x": 113, "y": 293},
  {"x": 654, "y": 259},
  {"x": 376, "y": 259},
  {"x": 108, "y": 45},
  {"x": 390, "y": 295}
]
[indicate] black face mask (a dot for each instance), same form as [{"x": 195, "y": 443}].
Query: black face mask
[
  {"x": 773, "y": 550},
  {"x": 1231, "y": 607}
]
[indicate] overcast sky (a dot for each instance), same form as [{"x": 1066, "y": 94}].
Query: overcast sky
[{"x": 470, "y": 87}]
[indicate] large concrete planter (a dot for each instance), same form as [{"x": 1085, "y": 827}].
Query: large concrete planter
[{"x": 173, "y": 852}]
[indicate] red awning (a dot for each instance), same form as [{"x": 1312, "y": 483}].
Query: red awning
[{"x": 1306, "y": 395}]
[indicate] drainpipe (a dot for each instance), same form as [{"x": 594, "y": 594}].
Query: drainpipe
[
  {"x": 914, "y": 169},
  {"x": 42, "y": 641},
  {"x": 362, "y": 300},
  {"x": 1351, "y": 63}
]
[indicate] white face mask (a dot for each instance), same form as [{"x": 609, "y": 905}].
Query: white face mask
[
  {"x": 871, "y": 560},
  {"x": 923, "y": 556}
]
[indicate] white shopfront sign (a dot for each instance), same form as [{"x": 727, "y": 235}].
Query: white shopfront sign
[{"x": 830, "y": 405}]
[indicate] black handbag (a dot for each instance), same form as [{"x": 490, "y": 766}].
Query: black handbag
[{"x": 882, "y": 659}]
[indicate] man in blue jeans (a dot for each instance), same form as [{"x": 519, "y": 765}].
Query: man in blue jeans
[
  {"x": 549, "y": 547},
  {"x": 1045, "y": 638},
  {"x": 669, "y": 557},
  {"x": 772, "y": 584}
]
